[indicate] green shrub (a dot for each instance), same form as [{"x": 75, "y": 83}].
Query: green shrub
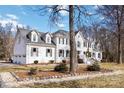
[
  {"x": 80, "y": 60},
  {"x": 88, "y": 54},
  {"x": 64, "y": 61},
  {"x": 51, "y": 61},
  {"x": 33, "y": 71},
  {"x": 94, "y": 67},
  {"x": 62, "y": 67},
  {"x": 35, "y": 62}
]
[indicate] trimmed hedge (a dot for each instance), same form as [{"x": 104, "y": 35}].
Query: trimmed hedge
[
  {"x": 94, "y": 67},
  {"x": 33, "y": 71},
  {"x": 62, "y": 67},
  {"x": 36, "y": 62}
]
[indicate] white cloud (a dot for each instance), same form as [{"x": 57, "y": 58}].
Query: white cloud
[
  {"x": 11, "y": 16},
  {"x": 102, "y": 18},
  {"x": 13, "y": 19},
  {"x": 13, "y": 22},
  {"x": 95, "y": 7},
  {"x": 63, "y": 12},
  {"x": 89, "y": 13},
  {"x": 49, "y": 10},
  {"x": 60, "y": 25}
]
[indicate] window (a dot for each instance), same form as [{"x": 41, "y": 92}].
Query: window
[
  {"x": 61, "y": 53},
  {"x": 48, "y": 40},
  {"x": 85, "y": 44},
  {"x": 66, "y": 41},
  {"x": 93, "y": 55},
  {"x": 59, "y": 40},
  {"x": 89, "y": 45},
  {"x": 78, "y": 44},
  {"x": 67, "y": 53},
  {"x": 95, "y": 46},
  {"x": 24, "y": 55},
  {"x": 34, "y": 51},
  {"x": 49, "y": 52},
  {"x": 63, "y": 40},
  {"x": 34, "y": 38},
  {"x": 78, "y": 52},
  {"x": 99, "y": 56}
]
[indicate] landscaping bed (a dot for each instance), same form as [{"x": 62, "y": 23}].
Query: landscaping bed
[{"x": 24, "y": 75}]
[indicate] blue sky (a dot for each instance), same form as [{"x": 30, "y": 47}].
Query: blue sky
[{"x": 23, "y": 16}]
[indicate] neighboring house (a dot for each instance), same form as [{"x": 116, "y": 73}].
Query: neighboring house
[{"x": 31, "y": 45}]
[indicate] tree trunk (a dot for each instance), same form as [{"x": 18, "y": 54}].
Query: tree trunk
[
  {"x": 121, "y": 55},
  {"x": 119, "y": 48},
  {"x": 73, "y": 53}
]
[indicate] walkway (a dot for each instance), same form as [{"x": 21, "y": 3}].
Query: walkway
[{"x": 8, "y": 81}]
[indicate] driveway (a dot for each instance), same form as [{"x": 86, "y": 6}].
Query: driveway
[{"x": 5, "y": 64}]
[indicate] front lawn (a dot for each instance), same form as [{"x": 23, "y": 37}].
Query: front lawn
[
  {"x": 115, "y": 81},
  {"x": 51, "y": 66},
  {"x": 113, "y": 66},
  {"x": 26, "y": 68}
]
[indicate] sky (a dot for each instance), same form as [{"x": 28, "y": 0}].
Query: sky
[{"x": 25, "y": 16}]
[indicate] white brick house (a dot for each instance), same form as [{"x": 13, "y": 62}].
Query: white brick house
[{"x": 31, "y": 45}]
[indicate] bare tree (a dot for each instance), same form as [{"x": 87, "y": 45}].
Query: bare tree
[
  {"x": 114, "y": 19},
  {"x": 73, "y": 56},
  {"x": 6, "y": 39},
  {"x": 76, "y": 14}
]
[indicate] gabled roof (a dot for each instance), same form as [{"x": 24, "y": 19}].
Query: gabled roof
[
  {"x": 61, "y": 33},
  {"x": 27, "y": 36},
  {"x": 41, "y": 35}
]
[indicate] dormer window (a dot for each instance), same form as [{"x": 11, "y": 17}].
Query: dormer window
[
  {"x": 34, "y": 38},
  {"x": 48, "y": 40},
  {"x": 78, "y": 36}
]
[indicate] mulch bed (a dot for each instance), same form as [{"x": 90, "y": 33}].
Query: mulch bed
[{"x": 45, "y": 74}]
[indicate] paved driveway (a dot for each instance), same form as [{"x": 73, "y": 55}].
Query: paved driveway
[{"x": 4, "y": 64}]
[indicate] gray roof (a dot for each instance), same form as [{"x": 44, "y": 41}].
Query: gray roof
[
  {"x": 27, "y": 36},
  {"x": 62, "y": 33}
]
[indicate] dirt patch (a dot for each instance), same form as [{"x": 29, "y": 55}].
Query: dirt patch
[
  {"x": 40, "y": 74},
  {"x": 45, "y": 74}
]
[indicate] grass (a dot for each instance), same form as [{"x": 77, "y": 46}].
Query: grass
[
  {"x": 114, "y": 81},
  {"x": 99, "y": 82},
  {"x": 25, "y": 68},
  {"x": 113, "y": 66},
  {"x": 51, "y": 66}
]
